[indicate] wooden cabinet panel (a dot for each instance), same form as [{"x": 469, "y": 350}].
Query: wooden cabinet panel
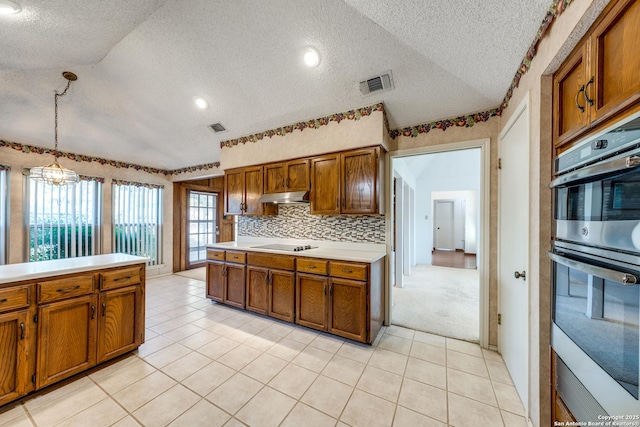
[
  {"x": 615, "y": 60},
  {"x": 236, "y": 257},
  {"x": 234, "y": 192},
  {"x": 66, "y": 338},
  {"x": 347, "y": 270},
  {"x": 14, "y": 369},
  {"x": 310, "y": 265},
  {"x": 570, "y": 105},
  {"x": 312, "y": 301},
  {"x": 216, "y": 281},
  {"x": 253, "y": 190},
  {"x": 348, "y": 309},
  {"x": 274, "y": 178},
  {"x": 297, "y": 175},
  {"x": 280, "y": 262},
  {"x": 257, "y": 289},
  {"x": 358, "y": 178},
  {"x": 121, "y": 277},
  {"x": 120, "y": 327},
  {"x": 325, "y": 184},
  {"x": 215, "y": 255},
  {"x": 13, "y": 298},
  {"x": 54, "y": 290},
  {"x": 235, "y": 287},
  {"x": 282, "y": 286}
]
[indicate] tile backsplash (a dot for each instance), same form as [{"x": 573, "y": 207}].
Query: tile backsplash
[{"x": 296, "y": 222}]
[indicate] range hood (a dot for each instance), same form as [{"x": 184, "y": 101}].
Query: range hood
[{"x": 291, "y": 198}]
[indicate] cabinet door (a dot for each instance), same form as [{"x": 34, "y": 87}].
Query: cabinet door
[
  {"x": 215, "y": 281},
  {"x": 615, "y": 47},
  {"x": 297, "y": 175},
  {"x": 571, "y": 113},
  {"x": 66, "y": 339},
  {"x": 121, "y": 322},
  {"x": 236, "y": 279},
  {"x": 348, "y": 309},
  {"x": 258, "y": 289},
  {"x": 311, "y": 301},
  {"x": 358, "y": 176},
  {"x": 233, "y": 192},
  {"x": 282, "y": 286},
  {"x": 253, "y": 190},
  {"x": 325, "y": 184},
  {"x": 14, "y": 370},
  {"x": 274, "y": 178}
]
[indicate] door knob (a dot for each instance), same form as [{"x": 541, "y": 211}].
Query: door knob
[{"x": 519, "y": 275}]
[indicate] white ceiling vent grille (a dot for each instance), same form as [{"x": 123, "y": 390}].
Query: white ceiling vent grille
[
  {"x": 377, "y": 83},
  {"x": 217, "y": 127}
]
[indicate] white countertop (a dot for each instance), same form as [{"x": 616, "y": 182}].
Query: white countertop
[
  {"x": 359, "y": 252},
  {"x": 36, "y": 270}
]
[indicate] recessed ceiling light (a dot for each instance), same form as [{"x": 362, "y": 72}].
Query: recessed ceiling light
[
  {"x": 311, "y": 57},
  {"x": 8, "y": 7},
  {"x": 201, "y": 103}
]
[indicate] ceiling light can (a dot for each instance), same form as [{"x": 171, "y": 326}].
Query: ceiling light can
[
  {"x": 8, "y": 7},
  {"x": 311, "y": 57},
  {"x": 201, "y": 103}
]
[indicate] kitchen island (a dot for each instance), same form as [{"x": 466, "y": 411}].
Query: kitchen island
[
  {"x": 62, "y": 317},
  {"x": 329, "y": 286}
]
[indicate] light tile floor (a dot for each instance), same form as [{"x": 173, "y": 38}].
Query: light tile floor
[{"x": 205, "y": 364}]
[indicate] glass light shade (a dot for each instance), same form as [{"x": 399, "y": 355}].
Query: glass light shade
[
  {"x": 311, "y": 57},
  {"x": 54, "y": 174},
  {"x": 201, "y": 103},
  {"x": 8, "y": 7}
]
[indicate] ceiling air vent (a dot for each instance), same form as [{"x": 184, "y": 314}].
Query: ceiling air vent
[
  {"x": 217, "y": 127},
  {"x": 377, "y": 83}
]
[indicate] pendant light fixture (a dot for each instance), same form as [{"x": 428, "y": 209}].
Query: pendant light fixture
[{"x": 53, "y": 173}]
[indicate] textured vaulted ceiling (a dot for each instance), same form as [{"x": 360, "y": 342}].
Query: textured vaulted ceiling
[{"x": 140, "y": 64}]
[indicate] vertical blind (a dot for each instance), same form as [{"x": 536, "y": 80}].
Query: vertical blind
[
  {"x": 4, "y": 212},
  {"x": 137, "y": 219},
  {"x": 64, "y": 221}
]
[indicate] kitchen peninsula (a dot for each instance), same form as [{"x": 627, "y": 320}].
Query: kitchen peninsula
[
  {"x": 62, "y": 317},
  {"x": 333, "y": 286}
]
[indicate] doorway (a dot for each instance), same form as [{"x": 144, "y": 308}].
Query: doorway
[
  {"x": 201, "y": 226},
  {"x": 449, "y": 213}
]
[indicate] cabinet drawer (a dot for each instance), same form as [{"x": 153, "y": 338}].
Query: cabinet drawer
[
  {"x": 239, "y": 257},
  {"x": 215, "y": 255},
  {"x": 120, "y": 278},
  {"x": 280, "y": 262},
  {"x": 348, "y": 271},
  {"x": 53, "y": 290},
  {"x": 314, "y": 266},
  {"x": 12, "y": 298}
]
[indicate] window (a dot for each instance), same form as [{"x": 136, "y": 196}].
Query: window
[
  {"x": 64, "y": 221},
  {"x": 4, "y": 213},
  {"x": 137, "y": 219},
  {"x": 202, "y": 224}
]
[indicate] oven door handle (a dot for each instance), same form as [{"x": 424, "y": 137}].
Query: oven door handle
[
  {"x": 605, "y": 273},
  {"x": 603, "y": 168}
]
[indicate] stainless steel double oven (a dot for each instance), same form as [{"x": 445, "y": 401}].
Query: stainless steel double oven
[{"x": 596, "y": 274}]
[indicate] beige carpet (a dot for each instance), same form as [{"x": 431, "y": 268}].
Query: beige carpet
[
  {"x": 196, "y": 273},
  {"x": 440, "y": 300}
]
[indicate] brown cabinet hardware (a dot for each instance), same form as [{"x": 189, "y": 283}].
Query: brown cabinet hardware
[
  {"x": 580, "y": 91},
  {"x": 104, "y": 309},
  {"x": 3, "y": 300},
  {"x": 21, "y": 330},
  {"x": 69, "y": 289},
  {"x": 93, "y": 312}
]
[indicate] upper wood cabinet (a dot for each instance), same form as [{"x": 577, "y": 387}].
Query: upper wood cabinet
[
  {"x": 243, "y": 188},
  {"x": 348, "y": 183},
  {"x": 288, "y": 176},
  {"x": 601, "y": 78}
]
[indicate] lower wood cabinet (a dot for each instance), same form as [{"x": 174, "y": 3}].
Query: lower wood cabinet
[
  {"x": 271, "y": 292},
  {"x": 235, "y": 285},
  {"x": 74, "y": 322},
  {"x": 311, "y": 301},
  {"x": 14, "y": 370},
  {"x": 226, "y": 281}
]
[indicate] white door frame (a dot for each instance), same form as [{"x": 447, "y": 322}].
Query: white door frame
[
  {"x": 399, "y": 249},
  {"x": 483, "y": 233}
]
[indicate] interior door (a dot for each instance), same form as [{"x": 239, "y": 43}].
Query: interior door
[
  {"x": 444, "y": 225},
  {"x": 513, "y": 230}
]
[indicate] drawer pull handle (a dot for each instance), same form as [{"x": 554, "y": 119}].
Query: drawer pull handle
[
  {"x": 93, "y": 312},
  {"x": 347, "y": 271},
  {"x": 311, "y": 266},
  {"x": 21, "y": 331},
  {"x": 3, "y": 300},
  {"x": 122, "y": 278},
  {"x": 71, "y": 288},
  {"x": 104, "y": 309}
]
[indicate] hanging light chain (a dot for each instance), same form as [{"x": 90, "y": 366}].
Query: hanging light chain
[{"x": 57, "y": 95}]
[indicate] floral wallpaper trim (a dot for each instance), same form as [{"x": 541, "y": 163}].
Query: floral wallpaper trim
[
  {"x": 136, "y": 184},
  {"x": 116, "y": 164},
  {"x": 555, "y": 10},
  {"x": 355, "y": 114},
  {"x": 4, "y": 167}
]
